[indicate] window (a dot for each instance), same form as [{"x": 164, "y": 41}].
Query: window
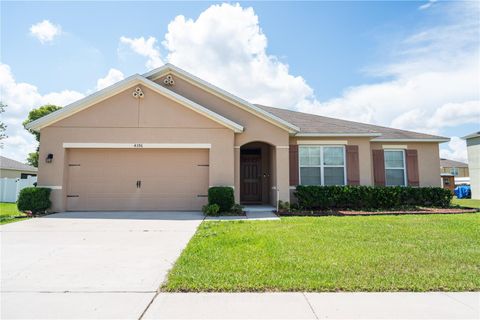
[
  {"x": 454, "y": 171},
  {"x": 26, "y": 175},
  {"x": 322, "y": 165},
  {"x": 395, "y": 174}
]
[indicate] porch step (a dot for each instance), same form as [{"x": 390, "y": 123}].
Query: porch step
[{"x": 258, "y": 208}]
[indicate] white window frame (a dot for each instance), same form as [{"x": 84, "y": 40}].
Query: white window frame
[
  {"x": 321, "y": 165},
  {"x": 396, "y": 168},
  {"x": 454, "y": 171}
]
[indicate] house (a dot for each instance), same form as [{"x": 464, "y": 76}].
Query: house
[
  {"x": 157, "y": 141},
  {"x": 455, "y": 168},
  {"x": 473, "y": 150},
  {"x": 10, "y": 168}
]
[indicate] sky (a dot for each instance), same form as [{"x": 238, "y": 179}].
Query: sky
[{"x": 412, "y": 65}]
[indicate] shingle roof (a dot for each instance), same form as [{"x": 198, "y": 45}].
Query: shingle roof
[
  {"x": 447, "y": 163},
  {"x": 6, "y": 163},
  {"x": 309, "y": 123}
]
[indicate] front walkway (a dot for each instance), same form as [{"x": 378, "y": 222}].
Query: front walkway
[{"x": 252, "y": 212}]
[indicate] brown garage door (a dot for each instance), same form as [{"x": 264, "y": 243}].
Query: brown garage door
[{"x": 137, "y": 179}]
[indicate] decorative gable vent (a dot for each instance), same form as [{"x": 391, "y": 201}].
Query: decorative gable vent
[
  {"x": 138, "y": 93},
  {"x": 169, "y": 80}
]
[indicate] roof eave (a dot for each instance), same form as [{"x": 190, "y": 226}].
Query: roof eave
[
  {"x": 120, "y": 86},
  {"x": 438, "y": 140},
  {"x": 470, "y": 136},
  {"x": 321, "y": 134},
  {"x": 169, "y": 68}
]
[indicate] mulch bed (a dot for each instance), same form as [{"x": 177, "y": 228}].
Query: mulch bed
[{"x": 373, "y": 213}]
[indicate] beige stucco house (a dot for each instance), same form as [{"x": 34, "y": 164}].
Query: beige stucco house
[
  {"x": 157, "y": 141},
  {"x": 13, "y": 169},
  {"x": 473, "y": 151}
]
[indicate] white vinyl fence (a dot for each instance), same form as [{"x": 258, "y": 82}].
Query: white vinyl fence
[{"x": 10, "y": 188}]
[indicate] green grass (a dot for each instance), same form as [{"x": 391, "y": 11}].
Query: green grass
[
  {"x": 8, "y": 212},
  {"x": 375, "y": 253},
  {"x": 469, "y": 203}
]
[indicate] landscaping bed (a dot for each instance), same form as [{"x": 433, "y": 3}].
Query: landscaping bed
[{"x": 321, "y": 213}]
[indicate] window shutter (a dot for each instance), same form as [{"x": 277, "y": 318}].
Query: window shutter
[
  {"x": 378, "y": 167},
  {"x": 353, "y": 165},
  {"x": 293, "y": 153},
  {"x": 412, "y": 167}
]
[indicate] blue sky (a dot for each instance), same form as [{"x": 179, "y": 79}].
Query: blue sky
[{"x": 378, "y": 62}]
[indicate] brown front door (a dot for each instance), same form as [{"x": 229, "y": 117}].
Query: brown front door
[{"x": 251, "y": 178}]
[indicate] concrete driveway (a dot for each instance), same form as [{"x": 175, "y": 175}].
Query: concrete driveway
[{"x": 89, "y": 264}]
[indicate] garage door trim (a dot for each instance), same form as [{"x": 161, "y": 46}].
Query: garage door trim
[{"x": 137, "y": 145}]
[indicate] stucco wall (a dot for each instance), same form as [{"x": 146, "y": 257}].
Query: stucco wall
[
  {"x": 256, "y": 129},
  {"x": 123, "y": 119},
  {"x": 473, "y": 150},
  {"x": 428, "y": 160}
]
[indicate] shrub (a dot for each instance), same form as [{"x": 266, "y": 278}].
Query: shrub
[
  {"x": 368, "y": 197},
  {"x": 236, "y": 209},
  {"x": 36, "y": 200},
  {"x": 211, "y": 209},
  {"x": 222, "y": 196},
  {"x": 283, "y": 206}
]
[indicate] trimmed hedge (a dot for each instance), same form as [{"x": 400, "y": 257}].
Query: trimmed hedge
[
  {"x": 36, "y": 200},
  {"x": 367, "y": 197},
  {"x": 222, "y": 196}
]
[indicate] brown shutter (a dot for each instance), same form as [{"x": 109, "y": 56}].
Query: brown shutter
[
  {"x": 412, "y": 167},
  {"x": 293, "y": 152},
  {"x": 378, "y": 167},
  {"x": 353, "y": 165}
]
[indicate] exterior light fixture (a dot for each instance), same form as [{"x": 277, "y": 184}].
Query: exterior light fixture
[{"x": 49, "y": 158}]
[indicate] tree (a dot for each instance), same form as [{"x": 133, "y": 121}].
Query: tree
[
  {"x": 3, "y": 127},
  {"x": 32, "y": 116},
  {"x": 32, "y": 159}
]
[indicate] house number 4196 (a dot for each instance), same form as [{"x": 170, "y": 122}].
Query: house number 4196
[{"x": 138, "y": 145}]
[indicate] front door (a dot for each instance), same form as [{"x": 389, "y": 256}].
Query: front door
[{"x": 251, "y": 178}]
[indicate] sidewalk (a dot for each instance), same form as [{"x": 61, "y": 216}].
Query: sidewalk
[{"x": 299, "y": 305}]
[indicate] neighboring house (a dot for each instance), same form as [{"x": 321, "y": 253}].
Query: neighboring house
[
  {"x": 455, "y": 168},
  {"x": 473, "y": 150},
  {"x": 10, "y": 168},
  {"x": 157, "y": 142}
]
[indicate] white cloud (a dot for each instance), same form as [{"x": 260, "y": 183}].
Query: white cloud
[
  {"x": 45, "y": 31},
  {"x": 20, "y": 98},
  {"x": 434, "y": 81},
  {"x": 146, "y": 48},
  {"x": 455, "y": 150},
  {"x": 427, "y": 5},
  {"x": 112, "y": 77}
]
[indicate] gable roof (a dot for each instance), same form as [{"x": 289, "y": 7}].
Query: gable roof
[
  {"x": 7, "y": 163},
  {"x": 237, "y": 101},
  {"x": 447, "y": 163},
  {"x": 316, "y": 126},
  {"x": 120, "y": 86}
]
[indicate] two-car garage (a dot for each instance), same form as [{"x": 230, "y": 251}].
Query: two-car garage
[{"x": 136, "y": 178}]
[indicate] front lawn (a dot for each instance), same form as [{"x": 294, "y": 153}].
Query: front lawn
[
  {"x": 8, "y": 212},
  {"x": 374, "y": 253},
  {"x": 469, "y": 203}
]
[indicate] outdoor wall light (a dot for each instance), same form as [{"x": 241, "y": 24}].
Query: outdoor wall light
[{"x": 49, "y": 158}]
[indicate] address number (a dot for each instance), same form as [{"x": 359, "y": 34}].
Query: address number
[{"x": 138, "y": 145}]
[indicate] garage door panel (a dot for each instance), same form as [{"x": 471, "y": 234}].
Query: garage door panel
[{"x": 106, "y": 179}]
